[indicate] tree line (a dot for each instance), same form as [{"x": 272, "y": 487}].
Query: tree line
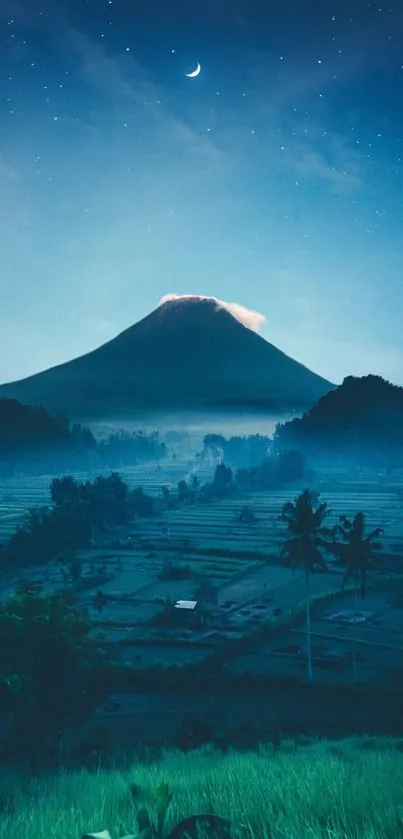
[
  {"x": 33, "y": 442},
  {"x": 79, "y": 513}
]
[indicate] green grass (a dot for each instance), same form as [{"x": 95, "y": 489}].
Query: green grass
[{"x": 350, "y": 789}]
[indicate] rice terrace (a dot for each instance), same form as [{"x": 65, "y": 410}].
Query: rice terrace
[
  {"x": 201, "y": 494},
  {"x": 198, "y": 582}
]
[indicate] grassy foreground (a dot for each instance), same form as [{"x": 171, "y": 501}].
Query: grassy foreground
[{"x": 350, "y": 789}]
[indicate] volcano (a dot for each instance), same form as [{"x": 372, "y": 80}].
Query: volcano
[{"x": 190, "y": 353}]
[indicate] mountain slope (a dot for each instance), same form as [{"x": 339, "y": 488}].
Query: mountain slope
[{"x": 189, "y": 353}]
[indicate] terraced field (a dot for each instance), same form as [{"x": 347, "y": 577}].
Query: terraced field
[
  {"x": 215, "y": 525},
  {"x": 376, "y": 643},
  {"x": 248, "y": 592},
  {"x": 17, "y": 495}
]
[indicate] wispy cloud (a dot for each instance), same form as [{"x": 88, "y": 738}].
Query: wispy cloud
[
  {"x": 125, "y": 82},
  {"x": 342, "y": 175},
  {"x": 296, "y": 147},
  {"x": 137, "y": 99}
]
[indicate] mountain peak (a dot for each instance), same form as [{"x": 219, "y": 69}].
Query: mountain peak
[
  {"x": 191, "y": 352},
  {"x": 177, "y": 302},
  {"x": 188, "y": 308},
  {"x": 201, "y": 305}
]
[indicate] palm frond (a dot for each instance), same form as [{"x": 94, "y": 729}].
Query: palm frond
[{"x": 320, "y": 513}]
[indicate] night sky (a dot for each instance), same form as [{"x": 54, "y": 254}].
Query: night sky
[{"x": 274, "y": 179}]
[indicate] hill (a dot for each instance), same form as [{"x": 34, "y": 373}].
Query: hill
[
  {"x": 190, "y": 353},
  {"x": 363, "y": 417},
  {"x": 31, "y": 439},
  {"x": 34, "y": 442}
]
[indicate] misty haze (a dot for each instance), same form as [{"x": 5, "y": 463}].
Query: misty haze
[{"x": 201, "y": 420}]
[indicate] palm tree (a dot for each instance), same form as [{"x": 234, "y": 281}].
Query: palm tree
[
  {"x": 356, "y": 552},
  {"x": 304, "y": 518}
]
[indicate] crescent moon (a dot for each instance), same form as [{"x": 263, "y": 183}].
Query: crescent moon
[{"x": 194, "y": 73}]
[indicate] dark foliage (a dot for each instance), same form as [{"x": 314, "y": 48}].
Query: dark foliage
[
  {"x": 193, "y": 733},
  {"x": 122, "y": 449},
  {"x": 34, "y": 442},
  {"x": 246, "y": 515},
  {"x": 81, "y": 511},
  {"x": 49, "y": 666},
  {"x": 356, "y": 550},
  {"x": 286, "y": 467},
  {"x": 363, "y": 418},
  {"x": 31, "y": 440}
]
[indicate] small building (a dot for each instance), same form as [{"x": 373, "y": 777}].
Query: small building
[
  {"x": 195, "y": 612},
  {"x": 186, "y": 604}
]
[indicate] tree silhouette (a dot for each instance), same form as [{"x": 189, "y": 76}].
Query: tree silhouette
[
  {"x": 49, "y": 666},
  {"x": 222, "y": 476},
  {"x": 356, "y": 553},
  {"x": 304, "y": 518}
]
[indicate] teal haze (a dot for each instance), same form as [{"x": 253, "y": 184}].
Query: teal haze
[{"x": 273, "y": 179}]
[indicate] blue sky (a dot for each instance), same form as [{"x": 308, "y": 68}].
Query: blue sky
[{"x": 274, "y": 179}]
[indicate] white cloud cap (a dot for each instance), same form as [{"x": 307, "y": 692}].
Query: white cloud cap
[{"x": 248, "y": 317}]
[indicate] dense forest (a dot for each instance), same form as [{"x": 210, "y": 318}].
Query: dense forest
[
  {"x": 361, "y": 420},
  {"x": 33, "y": 442}
]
